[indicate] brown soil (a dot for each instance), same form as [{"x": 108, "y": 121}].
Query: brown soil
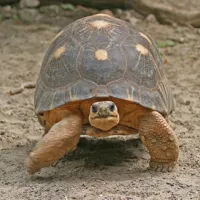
[{"x": 107, "y": 169}]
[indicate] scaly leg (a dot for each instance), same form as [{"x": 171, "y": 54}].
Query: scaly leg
[
  {"x": 61, "y": 138},
  {"x": 160, "y": 140}
]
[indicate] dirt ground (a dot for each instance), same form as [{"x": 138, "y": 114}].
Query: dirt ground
[{"x": 109, "y": 169}]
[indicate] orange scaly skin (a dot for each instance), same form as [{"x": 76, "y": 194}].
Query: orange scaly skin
[
  {"x": 63, "y": 127},
  {"x": 160, "y": 140},
  {"x": 61, "y": 138}
]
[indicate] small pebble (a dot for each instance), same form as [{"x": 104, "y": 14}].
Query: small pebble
[
  {"x": 151, "y": 18},
  {"x": 29, "y": 15},
  {"x": 182, "y": 40},
  {"x": 107, "y": 12},
  {"x": 7, "y": 8},
  {"x": 29, "y": 3}
]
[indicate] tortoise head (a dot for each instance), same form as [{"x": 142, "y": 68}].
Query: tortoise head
[{"x": 104, "y": 115}]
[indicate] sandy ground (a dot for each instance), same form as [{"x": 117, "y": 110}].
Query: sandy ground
[{"x": 99, "y": 169}]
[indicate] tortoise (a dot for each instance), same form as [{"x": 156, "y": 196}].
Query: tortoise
[{"x": 106, "y": 75}]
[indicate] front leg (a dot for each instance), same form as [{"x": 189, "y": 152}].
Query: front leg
[
  {"x": 60, "y": 139},
  {"x": 160, "y": 140}
]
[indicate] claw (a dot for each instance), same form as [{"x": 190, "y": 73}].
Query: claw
[
  {"x": 55, "y": 164},
  {"x": 31, "y": 166},
  {"x": 162, "y": 166}
]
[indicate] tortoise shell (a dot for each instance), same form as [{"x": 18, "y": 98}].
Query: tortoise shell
[{"x": 102, "y": 56}]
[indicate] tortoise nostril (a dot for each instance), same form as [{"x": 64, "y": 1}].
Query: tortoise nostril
[
  {"x": 94, "y": 108},
  {"x": 112, "y": 107}
]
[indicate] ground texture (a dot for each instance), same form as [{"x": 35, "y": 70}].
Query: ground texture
[{"x": 108, "y": 169}]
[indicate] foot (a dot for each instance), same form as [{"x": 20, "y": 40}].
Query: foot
[
  {"x": 60, "y": 139},
  {"x": 160, "y": 140},
  {"x": 162, "y": 166}
]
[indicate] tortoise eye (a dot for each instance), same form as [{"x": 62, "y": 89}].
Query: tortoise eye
[
  {"x": 112, "y": 107},
  {"x": 94, "y": 108}
]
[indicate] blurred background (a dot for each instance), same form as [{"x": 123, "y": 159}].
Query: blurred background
[
  {"x": 103, "y": 170},
  {"x": 165, "y": 11}
]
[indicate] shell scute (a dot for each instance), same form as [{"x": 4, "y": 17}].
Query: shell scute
[{"x": 101, "y": 56}]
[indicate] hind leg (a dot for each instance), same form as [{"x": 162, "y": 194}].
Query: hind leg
[
  {"x": 60, "y": 139},
  {"x": 160, "y": 140}
]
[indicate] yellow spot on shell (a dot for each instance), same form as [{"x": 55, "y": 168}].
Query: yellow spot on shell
[
  {"x": 101, "y": 54},
  {"x": 142, "y": 49},
  {"x": 59, "y": 34},
  {"x": 72, "y": 95},
  {"x": 144, "y": 36},
  {"x": 99, "y": 24},
  {"x": 129, "y": 94},
  {"x": 59, "y": 52},
  {"x": 103, "y": 15}
]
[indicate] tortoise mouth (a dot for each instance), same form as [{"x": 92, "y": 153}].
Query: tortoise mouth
[
  {"x": 101, "y": 116},
  {"x": 104, "y": 123}
]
